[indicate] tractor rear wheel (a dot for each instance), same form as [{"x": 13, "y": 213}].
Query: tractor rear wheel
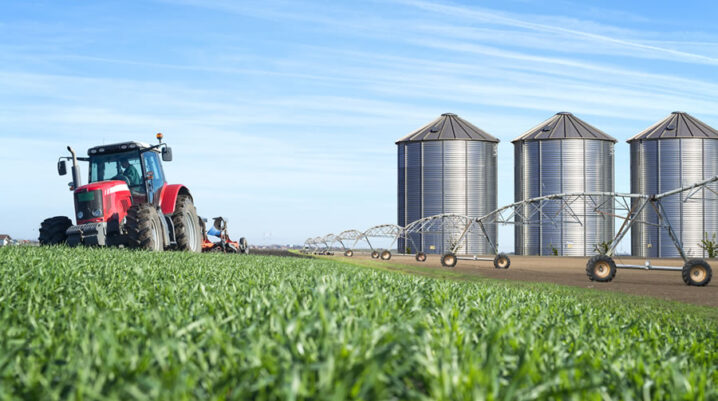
[
  {"x": 52, "y": 230},
  {"x": 144, "y": 228},
  {"x": 188, "y": 235},
  {"x": 601, "y": 268},
  {"x": 697, "y": 272}
]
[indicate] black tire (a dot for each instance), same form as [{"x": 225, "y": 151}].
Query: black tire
[
  {"x": 374, "y": 254},
  {"x": 349, "y": 253},
  {"x": 52, "y": 230},
  {"x": 448, "y": 260},
  {"x": 601, "y": 268},
  {"x": 697, "y": 272},
  {"x": 144, "y": 228},
  {"x": 188, "y": 234},
  {"x": 502, "y": 261},
  {"x": 420, "y": 257},
  {"x": 243, "y": 246},
  {"x": 385, "y": 254}
]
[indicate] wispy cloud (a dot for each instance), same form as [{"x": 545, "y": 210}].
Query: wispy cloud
[{"x": 491, "y": 17}]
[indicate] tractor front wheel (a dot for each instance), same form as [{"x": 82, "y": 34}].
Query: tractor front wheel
[
  {"x": 188, "y": 234},
  {"x": 52, "y": 230},
  {"x": 144, "y": 228}
]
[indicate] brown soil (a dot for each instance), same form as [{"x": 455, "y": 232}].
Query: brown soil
[
  {"x": 276, "y": 252},
  {"x": 572, "y": 271}
]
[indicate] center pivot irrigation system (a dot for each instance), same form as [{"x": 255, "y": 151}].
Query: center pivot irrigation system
[{"x": 555, "y": 209}]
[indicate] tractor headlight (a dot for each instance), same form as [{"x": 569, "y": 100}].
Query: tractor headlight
[
  {"x": 80, "y": 214},
  {"x": 97, "y": 212}
]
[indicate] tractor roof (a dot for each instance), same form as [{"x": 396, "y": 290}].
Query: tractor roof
[{"x": 119, "y": 147}]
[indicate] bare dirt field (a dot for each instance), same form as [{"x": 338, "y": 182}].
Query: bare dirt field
[
  {"x": 276, "y": 252},
  {"x": 572, "y": 271}
]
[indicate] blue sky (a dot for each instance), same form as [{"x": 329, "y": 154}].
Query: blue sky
[{"x": 283, "y": 114}]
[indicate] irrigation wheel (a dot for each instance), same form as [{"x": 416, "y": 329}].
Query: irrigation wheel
[
  {"x": 420, "y": 257},
  {"x": 374, "y": 255},
  {"x": 448, "y": 260},
  {"x": 349, "y": 253},
  {"x": 502, "y": 261},
  {"x": 697, "y": 272},
  {"x": 385, "y": 254},
  {"x": 601, "y": 268}
]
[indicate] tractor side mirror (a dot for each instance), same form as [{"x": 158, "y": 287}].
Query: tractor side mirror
[
  {"x": 61, "y": 167},
  {"x": 166, "y": 154}
]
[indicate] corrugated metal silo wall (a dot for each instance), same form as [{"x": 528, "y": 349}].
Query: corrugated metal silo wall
[
  {"x": 447, "y": 177},
  {"x": 482, "y": 191},
  {"x": 401, "y": 193},
  {"x": 561, "y": 166},
  {"x": 665, "y": 164}
]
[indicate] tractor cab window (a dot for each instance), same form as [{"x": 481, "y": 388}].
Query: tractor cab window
[
  {"x": 118, "y": 166},
  {"x": 152, "y": 164}
]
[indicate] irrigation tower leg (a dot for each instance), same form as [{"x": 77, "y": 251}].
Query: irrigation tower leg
[
  {"x": 664, "y": 222},
  {"x": 626, "y": 227}
]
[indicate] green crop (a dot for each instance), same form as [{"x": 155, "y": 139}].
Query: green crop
[{"x": 98, "y": 324}]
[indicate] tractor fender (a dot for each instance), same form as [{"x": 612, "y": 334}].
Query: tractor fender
[{"x": 168, "y": 197}]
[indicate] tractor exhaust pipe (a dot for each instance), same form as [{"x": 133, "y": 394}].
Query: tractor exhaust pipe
[{"x": 75, "y": 169}]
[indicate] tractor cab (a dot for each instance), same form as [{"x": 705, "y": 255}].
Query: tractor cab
[{"x": 136, "y": 163}]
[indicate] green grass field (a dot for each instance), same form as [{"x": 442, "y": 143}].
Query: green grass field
[{"x": 96, "y": 324}]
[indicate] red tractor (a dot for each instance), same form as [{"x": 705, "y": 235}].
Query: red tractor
[{"x": 127, "y": 202}]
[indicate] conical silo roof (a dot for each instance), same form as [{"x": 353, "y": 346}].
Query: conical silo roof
[
  {"x": 677, "y": 125},
  {"x": 564, "y": 125},
  {"x": 447, "y": 127}
]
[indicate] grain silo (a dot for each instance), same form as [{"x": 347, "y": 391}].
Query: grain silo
[
  {"x": 447, "y": 166},
  {"x": 563, "y": 155},
  {"x": 677, "y": 151}
]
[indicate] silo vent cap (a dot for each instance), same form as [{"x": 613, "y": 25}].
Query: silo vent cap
[
  {"x": 671, "y": 127},
  {"x": 449, "y": 115},
  {"x": 679, "y": 112},
  {"x": 546, "y": 129},
  {"x": 563, "y": 113},
  {"x": 435, "y": 128}
]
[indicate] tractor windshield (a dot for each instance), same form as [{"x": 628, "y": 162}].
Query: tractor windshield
[{"x": 118, "y": 166}]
